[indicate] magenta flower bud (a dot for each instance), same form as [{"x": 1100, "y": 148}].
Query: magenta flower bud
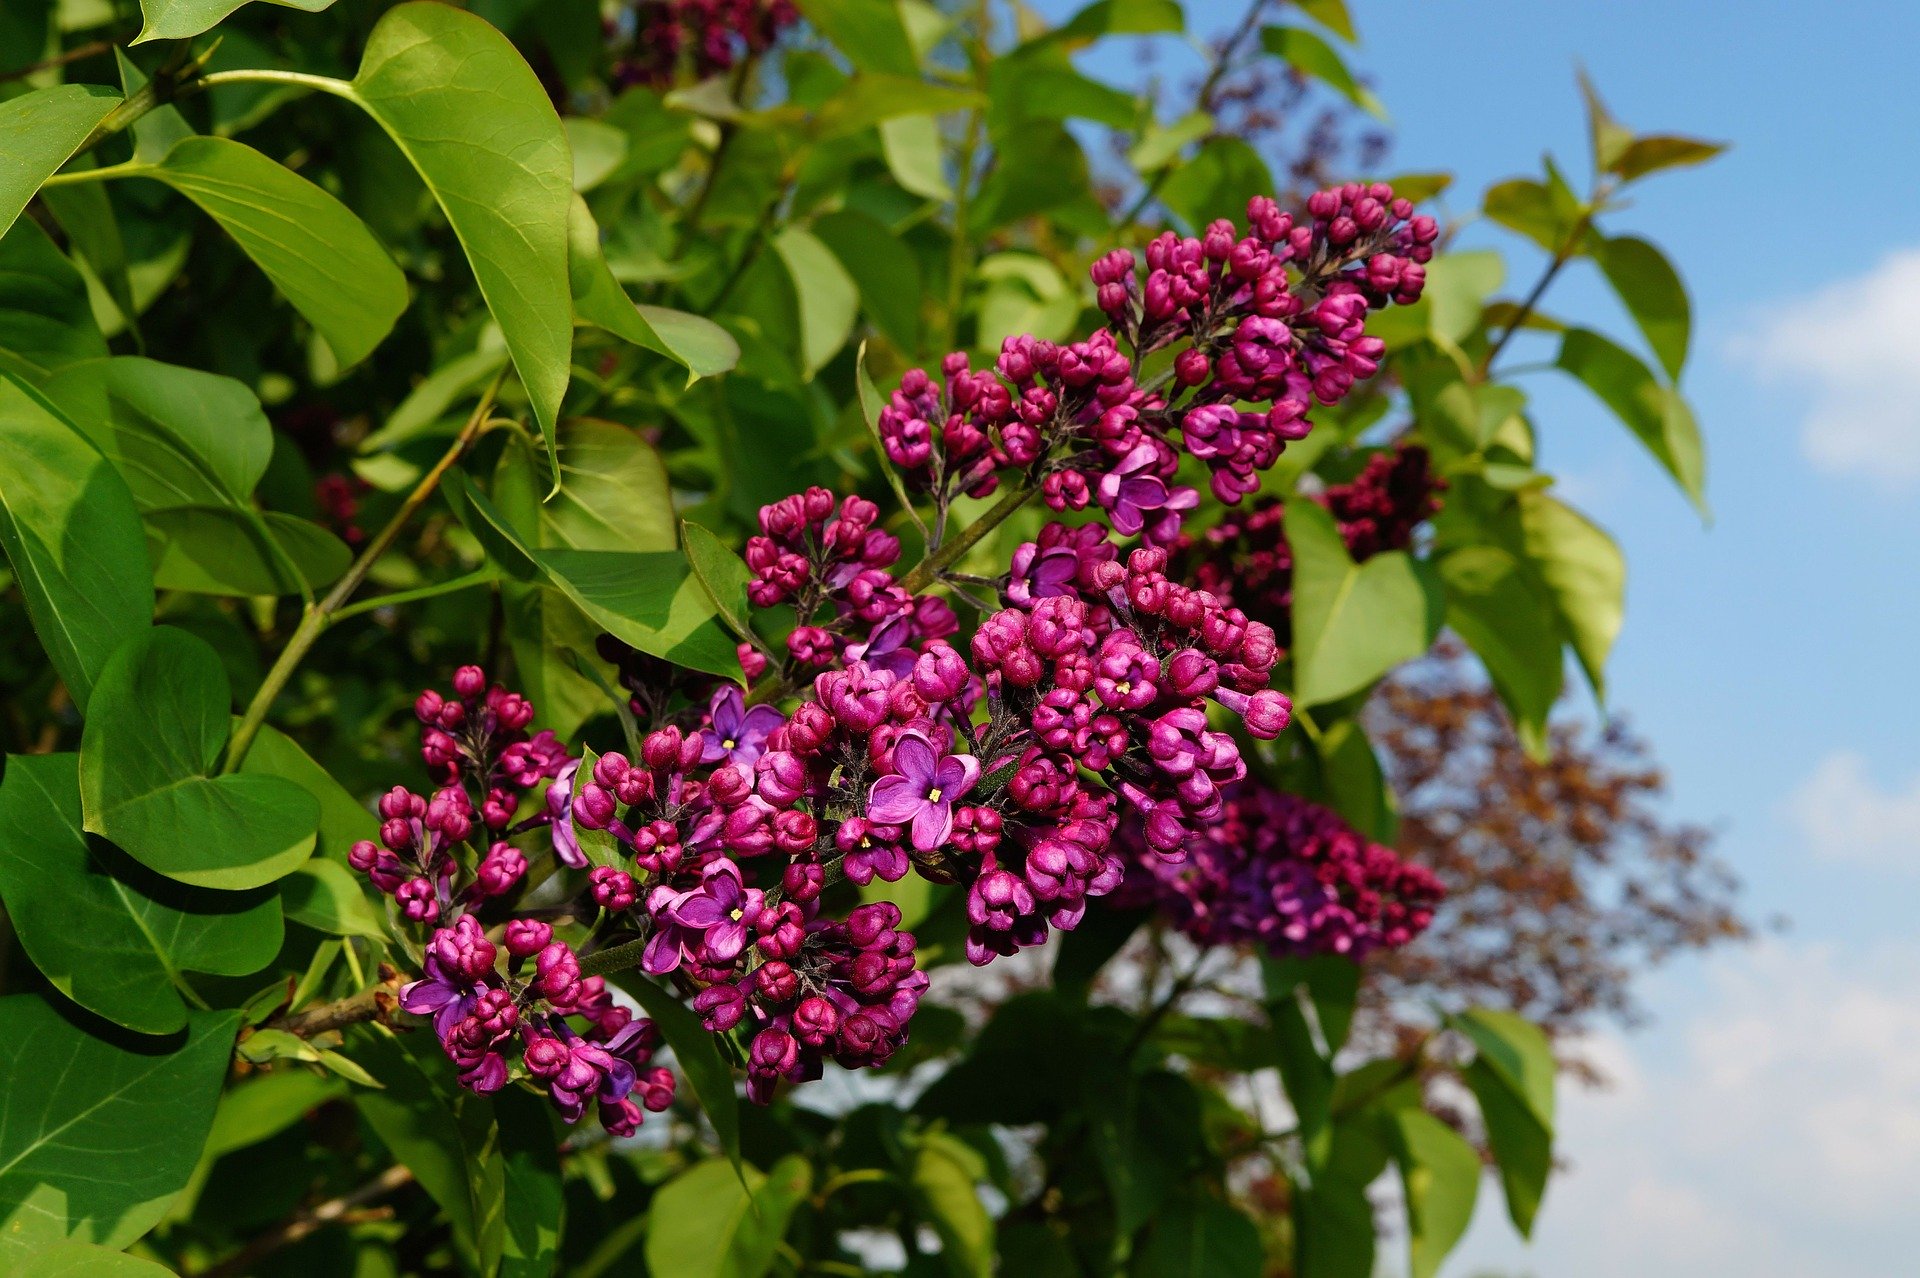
[
  {"x": 418, "y": 901},
  {"x": 613, "y": 890},
  {"x": 363, "y": 855},
  {"x": 721, "y": 1007},
  {"x": 794, "y": 831},
  {"x": 1191, "y": 367},
  {"x": 527, "y": 937},
  {"x": 655, "y": 1087},
  {"x": 545, "y": 1055},
  {"x": 1191, "y": 673},
  {"x": 815, "y": 1021},
  {"x": 803, "y": 880},
  {"x": 773, "y": 1053},
  {"x": 780, "y": 776},
  {"x": 426, "y": 707},
  {"x": 939, "y": 674},
  {"x": 500, "y": 871},
  {"x": 873, "y": 924},
  {"x": 661, "y": 750},
  {"x": 469, "y": 681},
  {"x": 728, "y": 787},
  {"x": 558, "y": 979},
  {"x": 776, "y": 982}
]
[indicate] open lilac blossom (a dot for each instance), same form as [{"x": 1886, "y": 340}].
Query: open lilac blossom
[
  {"x": 702, "y": 925},
  {"x": 922, "y": 792},
  {"x": 737, "y": 735}
]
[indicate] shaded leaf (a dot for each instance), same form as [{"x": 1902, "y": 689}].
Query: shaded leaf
[
  {"x": 943, "y": 1176},
  {"x": 695, "y": 1054},
  {"x": 98, "y": 1135},
  {"x": 826, "y": 295},
  {"x": 148, "y": 759},
  {"x": 1309, "y": 54},
  {"x": 869, "y": 32},
  {"x": 1200, "y": 1237},
  {"x": 328, "y": 897},
  {"x": 43, "y": 128},
  {"x": 699, "y": 345},
  {"x": 72, "y": 534},
  {"x": 1655, "y": 413},
  {"x": 1492, "y": 605},
  {"x": 708, "y": 1222},
  {"x": 1440, "y": 1177},
  {"x": 1651, "y": 290},
  {"x": 46, "y": 321},
  {"x": 109, "y": 934}
]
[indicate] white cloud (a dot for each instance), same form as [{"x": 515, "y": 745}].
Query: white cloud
[
  {"x": 1774, "y": 1133},
  {"x": 1847, "y": 816},
  {"x": 1857, "y": 344}
]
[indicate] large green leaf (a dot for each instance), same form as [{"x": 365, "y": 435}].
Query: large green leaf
[
  {"x": 72, "y": 534},
  {"x": 328, "y": 897},
  {"x": 536, "y": 1204},
  {"x": 1493, "y": 605},
  {"x": 1440, "y": 1177},
  {"x": 1585, "y": 573},
  {"x": 444, "y": 1134},
  {"x": 43, "y": 129},
  {"x": 614, "y": 493},
  {"x": 1146, "y": 1137},
  {"x": 1652, "y": 411},
  {"x": 699, "y": 345},
  {"x": 1352, "y": 622},
  {"x": 1124, "y": 17},
  {"x": 180, "y": 437},
  {"x": 310, "y": 245},
  {"x": 108, "y": 933},
  {"x": 944, "y": 1173},
  {"x": 45, "y": 319},
  {"x": 149, "y": 756},
  {"x": 723, "y": 575},
  {"x": 1217, "y": 182},
  {"x": 179, "y": 19},
  {"x": 1651, "y": 290},
  {"x": 709, "y": 1223},
  {"x": 231, "y": 550},
  {"x": 1512, "y": 1078},
  {"x": 97, "y": 1135},
  {"x": 1200, "y": 1237},
  {"x": 89, "y": 1260},
  {"x": 826, "y": 295},
  {"x": 474, "y": 120},
  {"x": 699, "y": 1060},
  {"x": 343, "y": 818},
  {"x": 869, "y": 32}
]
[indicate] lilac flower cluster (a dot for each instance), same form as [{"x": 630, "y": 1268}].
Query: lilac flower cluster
[
  {"x": 1284, "y": 875},
  {"x": 1275, "y": 319},
  {"x": 529, "y": 1012},
  {"x": 712, "y": 35},
  {"x": 1244, "y": 558}
]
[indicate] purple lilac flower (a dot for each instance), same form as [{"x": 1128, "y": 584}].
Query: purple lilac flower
[
  {"x": 922, "y": 791},
  {"x": 737, "y": 734}
]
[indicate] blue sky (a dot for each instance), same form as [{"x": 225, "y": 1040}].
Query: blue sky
[{"x": 1768, "y": 1121}]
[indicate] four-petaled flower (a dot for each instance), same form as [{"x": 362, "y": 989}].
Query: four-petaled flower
[
  {"x": 737, "y": 734},
  {"x": 704, "y": 925},
  {"x": 922, "y": 791}
]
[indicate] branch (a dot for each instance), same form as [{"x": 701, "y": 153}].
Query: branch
[
  {"x": 375, "y": 1004},
  {"x": 319, "y": 617},
  {"x": 291, "y": 1231}
]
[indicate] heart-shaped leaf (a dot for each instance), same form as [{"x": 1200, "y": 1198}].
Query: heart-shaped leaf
[
  {"x": 1352, "y": 622},
  {"x": 148, "y": 758},
  {"x": 108, "y": 933},
  {"x": 98, "y": 1135}
]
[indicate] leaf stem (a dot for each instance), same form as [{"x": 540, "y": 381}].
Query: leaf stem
[
  {"x": 316, "y": 619},
  {"x": 478, "y": 577},
  {"x": 616, "y": 958},
  {"x": 955, "y": 548}
]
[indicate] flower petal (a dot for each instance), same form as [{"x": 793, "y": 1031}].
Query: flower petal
[
  {"x": 662, "y": 953},
  {"x": 895, "y": 800},
  {"x": 956, "y": 775},
  {"x": 931, "y": 825},
  {"x": 913, "y": 758}
]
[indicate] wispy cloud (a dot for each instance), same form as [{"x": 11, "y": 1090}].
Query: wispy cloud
[
  {"x": 1777, "y": 1135},
  {"x": 1847, "y": 816},
  {"x": 1853, "y": 350}
]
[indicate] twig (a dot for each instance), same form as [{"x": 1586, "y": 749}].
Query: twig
[
  {"x": 300, "y": 1226},
  {"x": 79, "y": 53},
  {"x": 317, "y": 618}
]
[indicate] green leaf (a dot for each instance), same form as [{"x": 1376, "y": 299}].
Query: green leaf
[
  {"x": 328, "y": 897},
  {"x": 179, "y": 19},
  {"x": 942, "y": 1177},
  {"x": 871, "y": 402},
  {"x": 699, "y": 345},
  {"x": 1146, "y": 1137},
  {"x": 343, "y": 818},
  {"x": 696, "y": 1055},
  {"x": 1519, "y": 1053},
  {"x": 614, "y": 493},
  {"x": 313, "y": 248},
  {"x": 1161, "y": 145},
  {"x": 536, "y": 1204},
  {"x": 1655, "y": 413},
  {"x": 1440, "y": 1175},
  {"x": 98, "y": 1135},
  {"x": 911, "y": 146},
  {"x": 1333, "y": 15},
  {"x": 110, "y": 934},
  {"x": 43, "y": 129},
  {"x": 85, "y": 1260},
  {"x": 264, "y": 1105},
  {"x": 1352, "y": 622},
  {"x": 85, "y": 213},
  {"x": 1651, "y": 290},
  {"x": 1585, "y": 573},
  {"x": 1304, "y": 1072},
  {"x": 882, "y": 266},
  {"x": 444, "y": 1134},
  {"x": 708, "y": 1222},
  {"x": 1522, "y": 1147},
  {"x": 1217, "y": 182},
  {"x": 179, "y": 436},
  {"x": 428, "y": 403},
  {"x": 1332, "y": 986},
  {"x": 1310, "y": 55},
  {"x": 1200, "y": 1237},
  {"x": 869, "y": 32},
  {"x": 1610, "y": 137},
  {"x": 598, "y": 150},
  {"x": 1458, "y": 285},
  {"x": 1082, "y": 952},
  {"x": 148, "y": 759},
  {"x": 72, "y": 534},
  {"x": 1652, "y": 154},
  {"x": 473, "y": 119},
  {"x": 722, "y": 574},
  {"x": 1494, "y": 607},
  {"x": 226, "y": 550},
  {"x": 827, "y": 297},
  {"x": 1334, "y": 1229},
  {"x": 46, "y": 321},
  {"x": 1124, "y": 17}
]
